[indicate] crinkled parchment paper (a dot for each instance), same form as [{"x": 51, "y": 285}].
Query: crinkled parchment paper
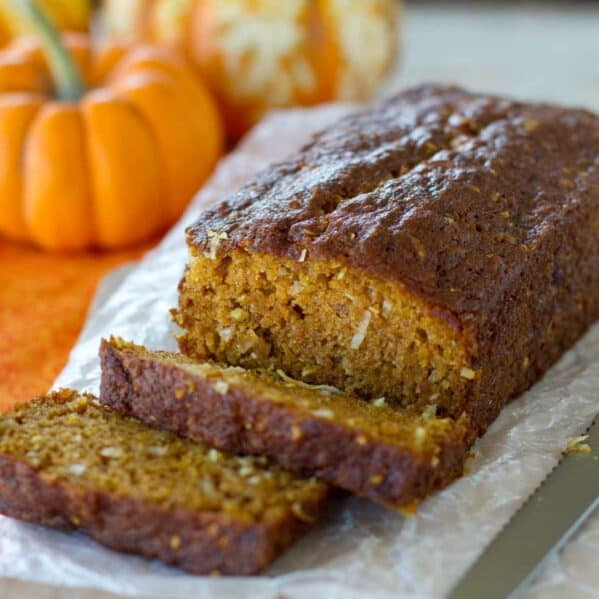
[{"x": 359, "y": 549}]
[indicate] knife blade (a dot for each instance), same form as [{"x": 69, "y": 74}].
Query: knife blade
[{"x": 549, "y": 517}]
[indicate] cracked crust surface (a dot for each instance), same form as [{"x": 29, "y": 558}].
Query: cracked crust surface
[{"x": 444, "y": 191}]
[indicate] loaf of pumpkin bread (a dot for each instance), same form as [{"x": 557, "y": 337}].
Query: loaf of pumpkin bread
[
  {"x": 68, "y": 463},
  {"x": 440, "y": 249},
  {"x": 371, "y": 449}
]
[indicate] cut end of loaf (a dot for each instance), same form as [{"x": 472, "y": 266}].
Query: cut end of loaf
[{"x": 324, "y": 323}]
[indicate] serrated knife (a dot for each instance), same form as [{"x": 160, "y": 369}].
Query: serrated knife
[{"x": 562, "y": 502}]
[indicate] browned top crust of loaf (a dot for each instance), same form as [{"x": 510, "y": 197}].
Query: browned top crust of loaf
[
  {"x": 142, "y": 495},
  {"x": 444, "y": 191},
  {"x": 394, "y": 459},
  {"x": 485, "y": 208}
]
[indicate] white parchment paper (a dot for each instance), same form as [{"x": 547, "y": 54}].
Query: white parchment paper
[{"x": 358, "y": 549}]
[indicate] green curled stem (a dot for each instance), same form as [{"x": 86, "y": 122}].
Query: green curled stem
[{"x": 68, "y": 82}]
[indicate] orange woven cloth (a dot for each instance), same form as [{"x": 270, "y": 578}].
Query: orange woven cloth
[{"x": 44, "y": 299}]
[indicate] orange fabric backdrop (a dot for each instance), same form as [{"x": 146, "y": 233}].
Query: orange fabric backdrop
[{"x": 44, "y": 299}]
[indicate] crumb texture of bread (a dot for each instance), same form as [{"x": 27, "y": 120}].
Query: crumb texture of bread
[
  {"x": 322, "y": 322},
  {"x": 68, "y": 463},
  {"x": 369, "y": 448},
  {"x": 440, "y": 248}
]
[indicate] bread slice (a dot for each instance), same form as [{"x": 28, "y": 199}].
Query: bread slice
[
  {"x": 370, "y": 449},
  {"x": 67, "y": 462},
  {"x": 440, "y": 247}
]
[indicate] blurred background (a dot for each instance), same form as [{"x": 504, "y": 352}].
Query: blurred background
[
  {"x": 535, "y": 50},
  {"x": 256, "y": 55}
]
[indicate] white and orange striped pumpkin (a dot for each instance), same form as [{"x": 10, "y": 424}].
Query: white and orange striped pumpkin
[{"x": 263, "y": 54}]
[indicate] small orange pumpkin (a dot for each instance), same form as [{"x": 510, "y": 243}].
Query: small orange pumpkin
[
  {"x": 107, "y": 161},
  {"x": 263, "y": 54}
]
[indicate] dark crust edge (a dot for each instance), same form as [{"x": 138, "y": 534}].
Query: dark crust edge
[
  {"x": 168, "y": 397},
  {"x": 201, "y": 543}
]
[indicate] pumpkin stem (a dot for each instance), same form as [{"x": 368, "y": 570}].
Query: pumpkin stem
[{"x": 67, "y": 79}]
